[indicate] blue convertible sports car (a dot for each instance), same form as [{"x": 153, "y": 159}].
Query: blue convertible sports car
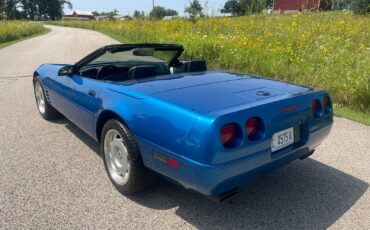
[{"x": 154, "y": 114}]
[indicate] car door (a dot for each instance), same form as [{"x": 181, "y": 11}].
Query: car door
[{"x": 81, "y": 101}]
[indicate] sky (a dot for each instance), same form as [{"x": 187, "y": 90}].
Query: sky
[{"x": 129, "y": 6}]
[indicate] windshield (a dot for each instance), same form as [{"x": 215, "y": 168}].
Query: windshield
[{"x": 136, "y": 55}]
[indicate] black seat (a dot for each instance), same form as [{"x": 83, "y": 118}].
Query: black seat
[
  {"x": 140, "y": 72},
  {"x": 164, "y": 70},
  {"x": 195, "y": 66},
  {"x": 114, "y": 77}
]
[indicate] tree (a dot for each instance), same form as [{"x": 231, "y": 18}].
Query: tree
[
  {"x": 160, "y": 12},
  {"x": 34, "y": 9},
  {"x": 361, "y": 6},
  {"x": 2, "y": 9},
  {"x": 171, "y": 12},
  {"x": 194, "y": 9},
  {"x": 139, "y": 14},
  {"x": 326, "y": 5},
  {"x": 341, "y": 4},
  {"x": 109, "y": 14},
  {"x": 233, "y": 7},
  {"x": 243, "y": 7},
  {"x": 95, "y": 13},
  {"x": 269, "y": 3},
  {"x": 54, "y": 8},
  {"x": 11, "y": 9}
]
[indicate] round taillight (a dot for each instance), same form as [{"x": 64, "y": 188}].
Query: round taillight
[
  {"x": 327, "y": 104},
  {"x": 316, "y": 109},
  {"x": 252, "y": 127},
  {"x": 255, "y": 128},
  {"x": 230, "y": 135}
]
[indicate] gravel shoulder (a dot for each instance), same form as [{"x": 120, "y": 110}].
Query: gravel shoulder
[{"x": 51, "y": 174}]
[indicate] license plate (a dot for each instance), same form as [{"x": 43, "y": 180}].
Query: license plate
[{"x": 282, "y": 139}]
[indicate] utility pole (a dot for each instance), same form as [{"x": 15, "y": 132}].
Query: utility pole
[
  {"x": 6, "y": 9},
  {"x": 152, "y": 10}
]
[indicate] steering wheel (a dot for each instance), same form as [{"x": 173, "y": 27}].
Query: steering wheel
[{"x": 106, "y": 71}]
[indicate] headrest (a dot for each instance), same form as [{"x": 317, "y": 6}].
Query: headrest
[
  {"x": 140, "y": 72},
  {"x": 195, "y": 66}
]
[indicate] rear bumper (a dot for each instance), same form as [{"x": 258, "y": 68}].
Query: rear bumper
[{"x": 214, "y": 180}]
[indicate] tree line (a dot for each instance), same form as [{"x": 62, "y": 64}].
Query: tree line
[
  {"x": 53, "y": 9},
  {"x": 33, "y": 9}
]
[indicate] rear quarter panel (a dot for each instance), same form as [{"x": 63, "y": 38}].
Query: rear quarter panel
[{"x": 155, "y": 122}]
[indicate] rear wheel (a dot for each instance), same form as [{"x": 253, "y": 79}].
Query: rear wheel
[
  {"x": 122, "y": 159},
  {"x": 43, "y": 106}
]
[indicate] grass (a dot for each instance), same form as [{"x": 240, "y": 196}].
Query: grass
[
  {"x": 351, "y": 114},
  {"x": 322, "y": 50},
  {"x": 2, "y": 45},
  {"x": 14, "y": 31}
]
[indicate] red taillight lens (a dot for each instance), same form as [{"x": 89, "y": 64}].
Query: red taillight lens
[
  {"x": 316, "y": 108},
  {"x": 252, "y": 125},
  {"x": 228, "y": 134},
  {"x": 255, "y": 128},
  {"x": 327, "y": 104}
]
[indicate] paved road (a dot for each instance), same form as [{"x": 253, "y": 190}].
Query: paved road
[{"x": 51, "y": 175}]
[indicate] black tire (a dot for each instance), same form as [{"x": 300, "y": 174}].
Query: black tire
[
  {"x": 139, "y": 177},
  {"x": 48, "y": 113}
]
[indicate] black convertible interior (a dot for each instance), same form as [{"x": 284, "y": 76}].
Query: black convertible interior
[
  {"x": 124, "y": 71},
  {"x": 137, "y": 61}
]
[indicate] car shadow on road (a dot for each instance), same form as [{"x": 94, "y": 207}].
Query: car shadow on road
[
  {"x": 86, "y": 139},
  {"x": 305, "y": 194}
]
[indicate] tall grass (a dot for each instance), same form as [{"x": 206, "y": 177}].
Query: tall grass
[
  {"x": 13, "y": 30},
  {"x": 322, "y": 50}
]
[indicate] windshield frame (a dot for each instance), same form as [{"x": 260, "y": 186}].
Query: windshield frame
[{"x": 126, "y": 47}]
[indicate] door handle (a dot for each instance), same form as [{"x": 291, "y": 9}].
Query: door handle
[{"x": 92, "y": 93}]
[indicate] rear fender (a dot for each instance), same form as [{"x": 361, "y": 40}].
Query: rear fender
[{"x": 151, "y": 120}]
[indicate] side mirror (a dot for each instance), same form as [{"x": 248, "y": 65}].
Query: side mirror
[{"x": 66, "y": 71}]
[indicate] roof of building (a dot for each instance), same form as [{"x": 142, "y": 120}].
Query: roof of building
[
  {"x": 80, "y": 12},
  {"x": 118, "y": 16},
  {"x": 87, "y": 13}
]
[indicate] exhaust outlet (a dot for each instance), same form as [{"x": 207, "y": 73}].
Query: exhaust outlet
[
  {"x": 304, "y": 157},
  {"x": 224, "y": 196}
]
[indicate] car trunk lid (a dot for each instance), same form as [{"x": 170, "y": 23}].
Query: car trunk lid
[{"x": 210, "y": 91}]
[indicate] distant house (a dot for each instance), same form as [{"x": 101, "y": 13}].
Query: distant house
[
  {"x": 170, "y": 17},
  {"x": 227, "y": 15},
  {"x": 122, "y": 17},
  {"x": 291, "y": 6},
  {"x": 101, "y": 18},
  {"x": 79, "y": 15}
]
